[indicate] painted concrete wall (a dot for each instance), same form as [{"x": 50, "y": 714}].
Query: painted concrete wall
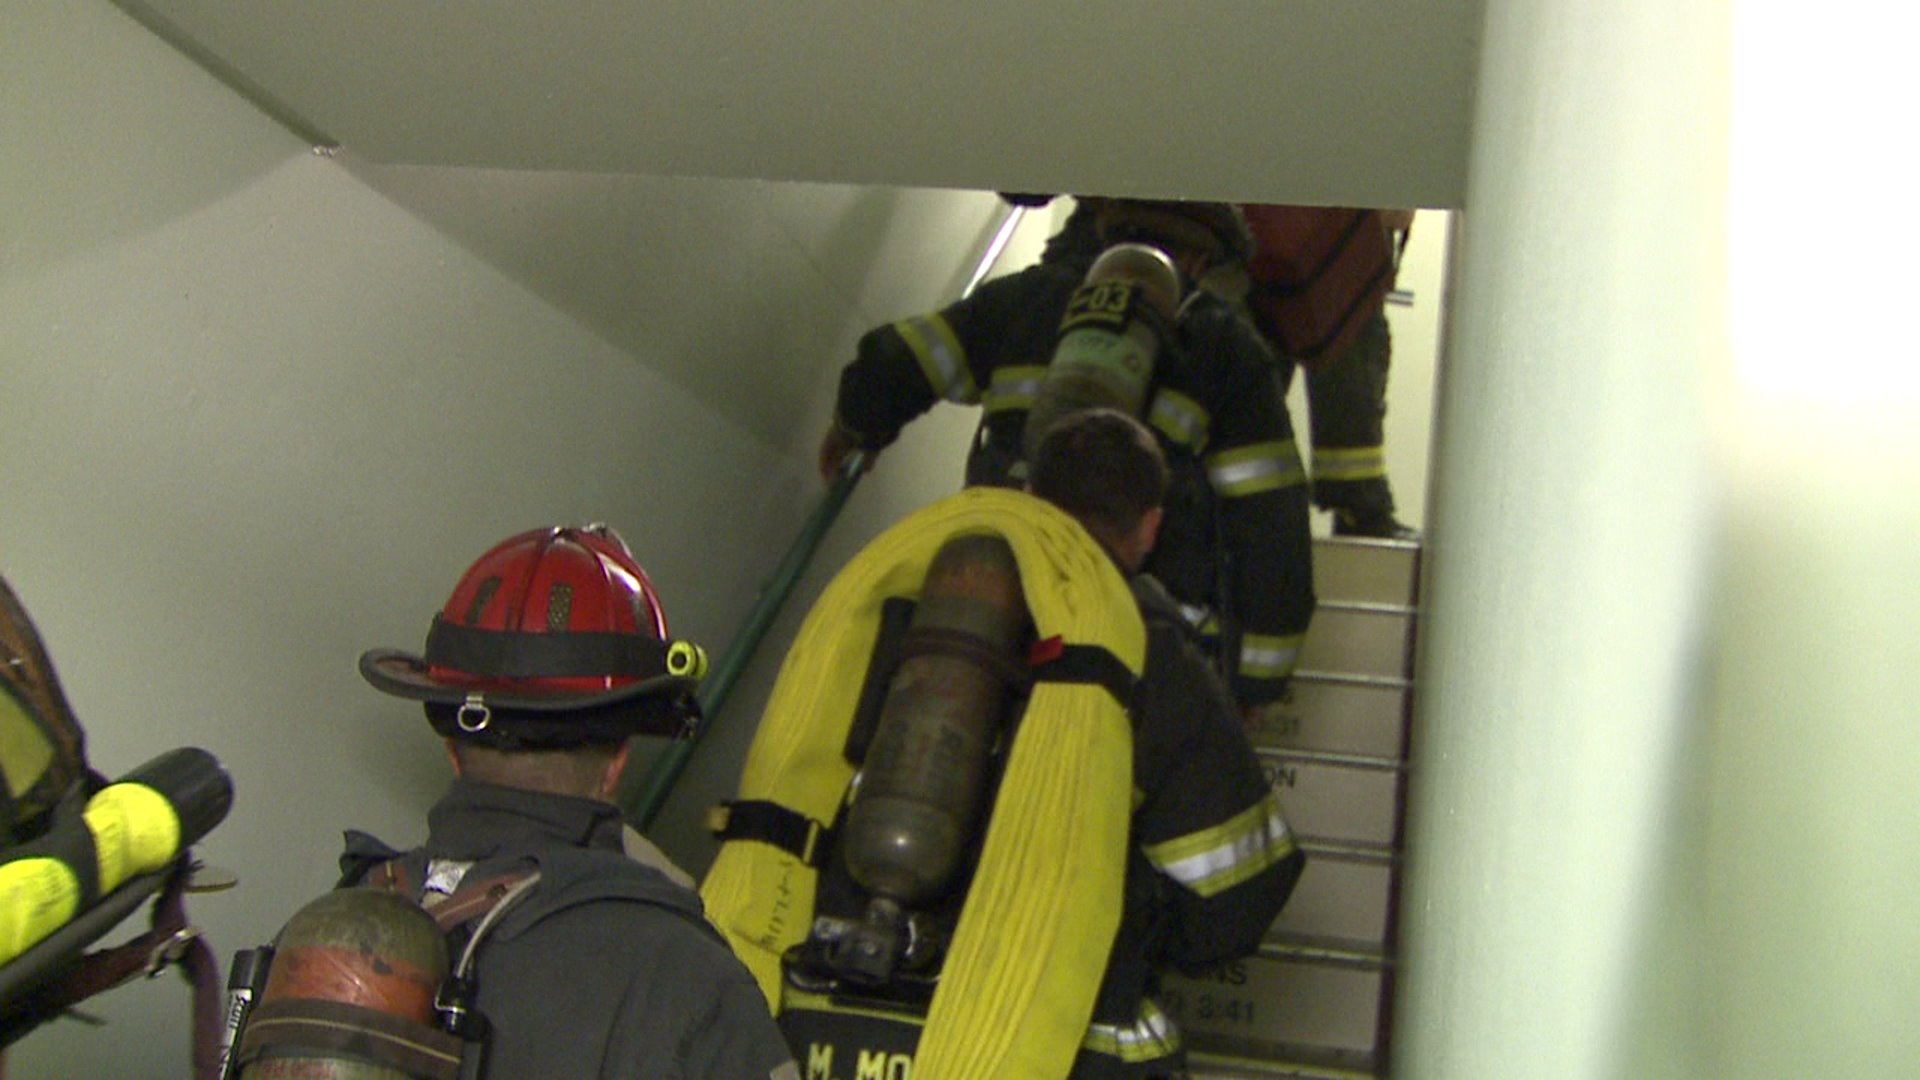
[
  {"x": 1802, "y": 897},
  {"x": 260, "y": 408},
  {"x": 1571, "y": 543},
  {"x": 1664, "y": 818}
]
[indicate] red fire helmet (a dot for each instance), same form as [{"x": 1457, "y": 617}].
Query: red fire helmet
[{"x": 550, "y": 620}]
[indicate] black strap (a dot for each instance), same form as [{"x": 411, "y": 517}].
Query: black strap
[
  {"x": 521, "y": 654},
  {"x": 1053, "y": 660},
  {"x": 938, "y": 641},
  {"x": 770, "y": 823},
  {"x": 300, "y": 1027},
  {"x": 896, "y": 614}
]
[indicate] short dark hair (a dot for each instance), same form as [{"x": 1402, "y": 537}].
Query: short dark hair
[
  {"x": 1103, "y": 467},
  {"x": 571, "y": 770}
]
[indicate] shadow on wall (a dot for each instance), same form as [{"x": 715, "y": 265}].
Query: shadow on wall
[
  {"x": 638, "y": 259},
  {"x": 62, "y": 191}
]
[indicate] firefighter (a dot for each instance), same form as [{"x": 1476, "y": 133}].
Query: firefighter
[
  {"x": 1347, "y": 409},
  {"x": 1213, "y": 859},
  {"x": 1042, "y": 958},
  {"x": 551, "y": 652},
  {"x": 1235, "y": 549},
  {"x": 1346, "y": 396},
  {"x": 1347, "y": 390}
]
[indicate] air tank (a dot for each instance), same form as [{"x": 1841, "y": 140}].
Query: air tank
[
  {"x": 924, "y": 779},
  {"x": 352, "y": 959},
  {"x": 1104, "y": 354}
]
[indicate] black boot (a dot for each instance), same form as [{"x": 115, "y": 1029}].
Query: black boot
[{"x": 1374, "y": 524}]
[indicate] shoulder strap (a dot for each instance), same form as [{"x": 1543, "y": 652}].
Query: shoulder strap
[
  {"x": 474, "y": 899},
  {"x": 1054, "y": 660},
  {"x": 770, "y": 823}
]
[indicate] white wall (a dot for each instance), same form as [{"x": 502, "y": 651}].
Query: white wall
[
  {"x": 1803, "y": 893},
  {"x": 1664, "y": 817},
  {"x": 1569, "y": 552},
  {"x": 262, "y": 407}
]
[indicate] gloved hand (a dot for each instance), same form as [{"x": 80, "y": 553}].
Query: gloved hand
[{"x": 836, "y": 446}]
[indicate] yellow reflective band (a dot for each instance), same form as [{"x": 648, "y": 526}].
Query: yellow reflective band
[
  {"x": 1180, "y": 419},
  {"x": 1214, "y": 860},
  {"x": 942, "y": 360},
  {"x": 1355, "y": 463},
  {"x": 1149, "y": 1038},
  {"x": 135, "y": 831},
  {"x": 1013, "y": 388},
  {"x": 1268, "y": 656},
  {"x": 1250, "y": 470},
  {"x": 37, "y": 897}
]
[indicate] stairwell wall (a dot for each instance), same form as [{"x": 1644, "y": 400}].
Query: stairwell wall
[{"x": 262, "y": 407}]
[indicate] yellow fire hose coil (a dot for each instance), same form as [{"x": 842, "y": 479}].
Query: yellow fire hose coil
[{"x": 1032, "y": 943}]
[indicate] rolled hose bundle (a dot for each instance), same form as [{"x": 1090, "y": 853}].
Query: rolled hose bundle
[
  {"x": 1017, "y": 990},
  {"x": 135, "y": 825}
]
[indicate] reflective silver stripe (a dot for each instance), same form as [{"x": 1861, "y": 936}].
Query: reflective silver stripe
[
  {"x": 1149, "y": 1038},
  {"x": 1179, "y": 418},
  {"x": 1250, "y": 470},
  {"x": 1265, "y": 656},
  {"x": 1200, "y": 618},
  {"x": 941, "y": 358},
  {"x": 1227, "y": 854},
  {"x": 1353, "y": 463},
  {"x": 1013, "y": 388},
  {"x": 444, "y": 875}
]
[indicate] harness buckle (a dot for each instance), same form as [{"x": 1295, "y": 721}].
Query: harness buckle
[{"x": 170, "y": 951}]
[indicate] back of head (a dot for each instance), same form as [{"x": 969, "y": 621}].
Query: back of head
[
  {"x": 553, "y": 640},
  {"x": 580, "y": 769},
  {"x": 1104, "y": 468},
  {"x": 1213, "y": 229}
]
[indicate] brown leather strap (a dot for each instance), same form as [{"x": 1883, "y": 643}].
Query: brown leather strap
[
  {"x": 474, "y": 899},
  {"x": 468, "y": 902}
]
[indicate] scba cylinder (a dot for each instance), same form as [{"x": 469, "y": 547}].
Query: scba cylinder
[
  {"x": 1107, "y": 346},
  {"x": 925, "y": 774},
  {"x": 350, "y": 995}
]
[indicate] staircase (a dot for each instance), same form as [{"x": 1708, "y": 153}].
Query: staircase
[{"x": 1316, "y": 1001}]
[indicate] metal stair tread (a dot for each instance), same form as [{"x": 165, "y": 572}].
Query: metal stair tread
[
  {"x": 1329, "y": 951},
  {"x": 1365, "y": 607},
  {"x": 1354, "y": 851},
  {"x": 1366, "y": 542},
  {"x": 1301, "y": 1062},
  {"x": 1388, "y": 682},
  {"x": 1337, "y": 758}
]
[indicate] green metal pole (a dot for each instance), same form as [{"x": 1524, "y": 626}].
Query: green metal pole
[{"x": 644, "y": 805}]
